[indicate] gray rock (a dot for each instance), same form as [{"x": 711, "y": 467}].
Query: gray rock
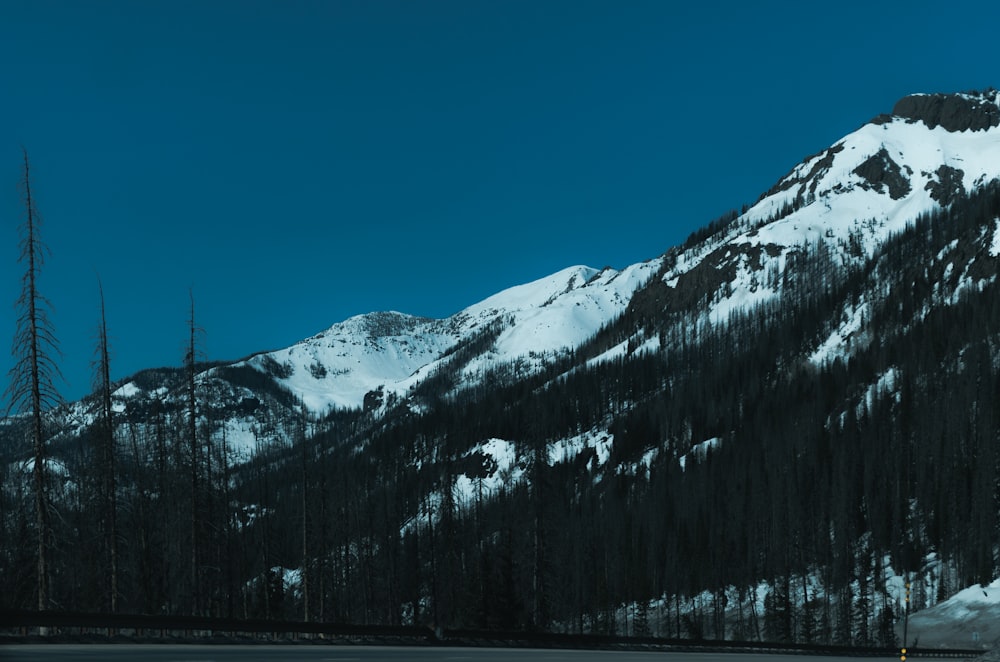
[{"x": 953, "y": 112}]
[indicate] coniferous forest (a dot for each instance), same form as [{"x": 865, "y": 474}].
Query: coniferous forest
[{"x": 749, "y": 492}]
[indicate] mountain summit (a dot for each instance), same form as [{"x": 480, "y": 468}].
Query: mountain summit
[{"x": 972, "y": 111}]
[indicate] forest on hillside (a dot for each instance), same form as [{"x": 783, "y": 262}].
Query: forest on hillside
[{"x": 821, "y": 478}]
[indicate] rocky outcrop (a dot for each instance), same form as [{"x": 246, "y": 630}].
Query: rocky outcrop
[
  {"x": 946, "y": 185},
  {"x": 880, "y": 171},
  {"x": 953, "y": 112}
]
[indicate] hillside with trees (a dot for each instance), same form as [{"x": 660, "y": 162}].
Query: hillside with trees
[{"x": 762, "y": 443}]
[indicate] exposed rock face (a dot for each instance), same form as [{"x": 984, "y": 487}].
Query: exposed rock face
[
  {"x": 880, "y": 170},
  {"x": 947, "y": 186},
  {"x": 954, "y": 112},
  {"x": 812, "y": 178},
  {"x": 696, "y": 286}
]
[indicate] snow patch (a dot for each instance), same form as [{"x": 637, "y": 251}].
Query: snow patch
[
  {"x": 699, "y": 452},
  {"x": 502, "y": 470},
  {"x": 601, "y": 441},
  {"x": 127, "y": 390},
  {"x": 968, "y": 619},
  {"x": 995, "y": 243},
  {"x": 840, "y": 342}
]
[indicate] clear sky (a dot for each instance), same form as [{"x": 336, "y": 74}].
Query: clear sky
[{"x": 295, "y": 163}]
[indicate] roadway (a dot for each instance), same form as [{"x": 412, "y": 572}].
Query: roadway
[{"x": 328, "y": 653}]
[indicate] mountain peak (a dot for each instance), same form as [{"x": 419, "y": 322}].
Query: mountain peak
[{"x": 967, "y": 111}]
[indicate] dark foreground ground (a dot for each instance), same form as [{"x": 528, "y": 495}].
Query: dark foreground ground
[{"x": 266, "y": 653}]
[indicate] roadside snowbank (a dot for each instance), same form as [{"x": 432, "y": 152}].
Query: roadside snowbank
[{"x": 968, "y": 619}]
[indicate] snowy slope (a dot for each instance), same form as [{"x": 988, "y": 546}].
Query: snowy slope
[
  {"x": 830, "y": 214},
  {"x": 838, "y": 199},
  {"x": 337, "y": 367},
  {"x": 541, "y": 319},
  {"x": 849, "y": 198},
  {"x": 366, "y": 359}
]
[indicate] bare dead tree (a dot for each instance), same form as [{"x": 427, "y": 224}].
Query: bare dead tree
[
  {"x": 31, "y": 390},
  {"x": 192, "y": 431},
  {"x": 107, "y": 451},
  {"x": 302, "y": 439},
  {"x": 190, "y": 367}
]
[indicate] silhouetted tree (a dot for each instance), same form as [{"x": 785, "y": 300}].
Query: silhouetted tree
[
  {"x": 32, "y": 388},
  {"x": 191, "y": 420},
  {"x": 107, "y": 452}
]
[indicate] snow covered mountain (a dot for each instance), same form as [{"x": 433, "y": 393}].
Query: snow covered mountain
[
  {"x": 392, "y": 352},
  {"x": 370, "y": 360},
  {"x": 849, "y": 199},
  {"x": 811, "y": 381}
]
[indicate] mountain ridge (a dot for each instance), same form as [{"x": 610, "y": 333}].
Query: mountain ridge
[
  {"x": 968, "y": 111},
  {"x": 791, "y": 412},
  {"x": 851, "y": 196}
]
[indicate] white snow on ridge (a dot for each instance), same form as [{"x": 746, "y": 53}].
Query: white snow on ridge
[
  {"x": 338, "y": 367},
  {"x": 851, "y": 215},
  {"x": 554, "y": 314},
  {"x": 125, "y": 391},
  {"x": 568, "y": 317},
  {"x": 535, "y": 294},
  {"x": 841, "y": 199},
  {"x": 391, "y": 352}
]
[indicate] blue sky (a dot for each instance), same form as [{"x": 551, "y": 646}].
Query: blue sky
[{"x": 295, "y": 163}]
